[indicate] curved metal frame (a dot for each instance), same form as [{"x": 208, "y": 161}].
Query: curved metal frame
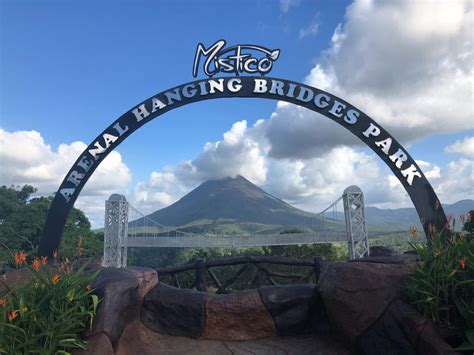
[{"x": 358, "y": 123}]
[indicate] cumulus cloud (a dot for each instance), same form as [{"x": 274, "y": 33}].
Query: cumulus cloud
[
  {"x": 161, "y": 189},
  {"x": 26, "y": 158},
  {"x": 315, "y": 183},
  {"x": 464, "y": 147},
  {"x": 407, "y": 64},
  {"x": 294, "y": 132},
  {"x": 242, "y": 151},
  {"x": 455, "y": 181}
]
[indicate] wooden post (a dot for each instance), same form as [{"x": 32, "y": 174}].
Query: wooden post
[
  {"x": 175, "y": 280},
  {"x": 318, "y": 265},
  {"x": 201, "y": 279}
]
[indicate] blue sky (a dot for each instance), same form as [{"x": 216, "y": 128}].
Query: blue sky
[{"x": 69, "y": 68}]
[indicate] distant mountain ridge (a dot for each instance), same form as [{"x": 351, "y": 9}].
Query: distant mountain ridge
[
  {"x": 409, "y": 216},
  {"x": 237, "y": 200}
]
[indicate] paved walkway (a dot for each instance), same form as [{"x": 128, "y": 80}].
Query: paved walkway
[{"x": 144, "y": 341}]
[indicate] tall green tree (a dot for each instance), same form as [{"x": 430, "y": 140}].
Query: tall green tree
[{"x": 21, "y": 225}]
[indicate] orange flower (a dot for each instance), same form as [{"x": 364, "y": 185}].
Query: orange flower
[
  {"x": 462, "y": 262},
  {"x": 44, "y": 260},
  {"x": 36, "y": 263},
  {"x": 413, "y": 231},
  {"x": 432, "y": 230},
  {"x": 436, "y": 205},
  {"x": 12, "y": 315},
  {"x": 3, "y": 302},
  {"x": 56, "y": 278},
  {"x": 55, "y": 254},
  {"x": 20, "y": 257}
]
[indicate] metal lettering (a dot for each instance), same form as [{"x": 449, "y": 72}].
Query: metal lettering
[
  {"x": 373, "y": 130},
  {"x": 384, "y": 145},
  {"x": 140, "y": 112},
  {"x": 398, "y": 158},
  {"x": 410, "y": 173}
]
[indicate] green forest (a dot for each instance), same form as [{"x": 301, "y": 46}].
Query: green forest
[{"x": 21, "y": 225}]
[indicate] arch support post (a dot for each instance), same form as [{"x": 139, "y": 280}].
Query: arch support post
[
  {"x": 356, "y": 229},
  {"x": 115, "y": 231}
]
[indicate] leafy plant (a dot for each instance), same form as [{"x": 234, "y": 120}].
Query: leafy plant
[
  {"x": 442, "y": 286},
  {"x": 468, "y": 344},
  {"x": 48, "y": 314}
]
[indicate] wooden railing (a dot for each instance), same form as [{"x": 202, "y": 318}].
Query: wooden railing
[{"x": 262, "y": 267}]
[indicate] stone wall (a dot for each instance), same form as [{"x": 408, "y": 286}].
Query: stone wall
[{"x": 362, "y": 302}]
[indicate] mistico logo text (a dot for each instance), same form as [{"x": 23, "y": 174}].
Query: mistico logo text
[{"x": 235, "y": 59}]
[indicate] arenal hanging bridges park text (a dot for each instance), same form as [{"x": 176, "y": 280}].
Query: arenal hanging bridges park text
[
  {"x": 237, "y": 60},
  {"x": 234, "y": 85}
]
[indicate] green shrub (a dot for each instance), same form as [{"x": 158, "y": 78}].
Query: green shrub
[
  {"x": 48, "y": 314},
  {"x": 442, "y": 286}
]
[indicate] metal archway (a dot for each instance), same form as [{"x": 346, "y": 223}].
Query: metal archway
[{"x": 340, "y": 111}]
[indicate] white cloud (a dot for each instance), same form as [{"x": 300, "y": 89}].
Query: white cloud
[
  {"x": 456, "y": 181},
  {"x": 25, "y": 158},
  {"x": 310, "y": 30},
  {"x": 431, "y": 171},
  {"x": 464, "y": 147},
  {"x": 407, "y": 64},
  {"x": 161, "y": 189},
  {"x": 316, "y": 182},
  {"x": 285, "y": 5},
  {"x": 241, "y": 151}
]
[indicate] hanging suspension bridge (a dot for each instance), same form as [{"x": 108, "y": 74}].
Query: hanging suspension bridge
[{"x": 126, "y": 226}]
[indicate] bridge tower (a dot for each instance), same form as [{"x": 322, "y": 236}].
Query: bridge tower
[
  {"x": 115, "y": 231},
  {"x": 358, "y": 242}
]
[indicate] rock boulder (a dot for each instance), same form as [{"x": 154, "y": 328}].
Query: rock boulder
[
  {"x": 174, "y": 311},
  {"x": 147, "y": 279},
  {"x": 118, "y": 293},
  {"x": 237, "y": 316},
  {"x": 385, "y": 337},
  {"x": 356, "y": 294},
  {"x": 293, "y": 307}
]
